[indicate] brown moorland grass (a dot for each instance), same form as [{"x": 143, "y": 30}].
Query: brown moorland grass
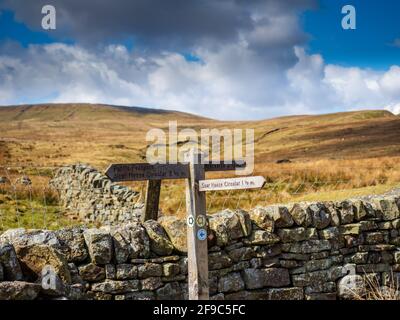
[{"x": 332, "y": 156}]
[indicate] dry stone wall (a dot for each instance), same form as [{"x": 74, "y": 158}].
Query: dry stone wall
[
  {"x": 298, "y": 251},
  {"x": 90, "y": 194}
]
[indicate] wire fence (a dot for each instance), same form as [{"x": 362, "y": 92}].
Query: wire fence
[
  {"x": 27, "y": 200},
  {"x": 271, "y": 193}
]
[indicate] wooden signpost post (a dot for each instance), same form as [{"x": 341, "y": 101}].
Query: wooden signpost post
[
  {"x": 152, "y": 200},
  {"x": 196, "y": 230},
  {"x": 196, "y": 186}
]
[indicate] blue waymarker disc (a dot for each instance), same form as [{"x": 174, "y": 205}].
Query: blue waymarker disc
[{"x": 201, "y": 234}]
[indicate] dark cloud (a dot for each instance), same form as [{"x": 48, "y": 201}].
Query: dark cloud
[{"x": 178, "y": 24}]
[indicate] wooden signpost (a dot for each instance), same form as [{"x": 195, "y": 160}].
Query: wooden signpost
[
  {"x": 154, "y": 173},
  {"x": 194, "y": 172}
]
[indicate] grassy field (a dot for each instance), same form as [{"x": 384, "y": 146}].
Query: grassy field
[{"x": 332, "y": 156}]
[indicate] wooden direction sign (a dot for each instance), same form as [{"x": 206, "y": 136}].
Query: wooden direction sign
[
  {"x": 196, "y": 185},
  {"x": 225, "y": 166},
  {"x": 232, "y": 183},
  {"x": 146, "y": 171}
]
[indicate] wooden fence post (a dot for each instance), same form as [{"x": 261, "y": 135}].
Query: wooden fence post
[
  {"x": 196, "y": 229},
  {"x": 152, "y": 200}
]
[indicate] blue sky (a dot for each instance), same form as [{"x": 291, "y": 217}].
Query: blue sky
[
  {"x": 11, "y": 30},
  {"x": 378, "y": 24},
  {"x": 246, "y": 60}
]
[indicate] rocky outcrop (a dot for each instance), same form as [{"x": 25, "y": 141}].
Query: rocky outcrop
[
  {"x": 313, "y": 251},
  {"x": 94, "y": 197}
]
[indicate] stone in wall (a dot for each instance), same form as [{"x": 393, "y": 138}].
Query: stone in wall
[
  {"x": 130, "y": 241},
  {"x": 159, "y": 240},
  {"x": 18, "y": 290},
  {"x": 229, "y": 226},
  {"x": 34, "y": 258},
  {"x": 72, "y": 244},
  {"x": 99, "y": 243},
  {"x": 91, "y": 272},
  {"x": 268, "y": 277},
  {"x": 176, "y": 231},
  {"x": 10, "y": 266}
]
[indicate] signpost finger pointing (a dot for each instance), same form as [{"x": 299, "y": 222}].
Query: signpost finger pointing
[{"x": 255, "y": 182}]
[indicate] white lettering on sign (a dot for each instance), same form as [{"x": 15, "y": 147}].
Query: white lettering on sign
[{"x": 232, "y": 184}]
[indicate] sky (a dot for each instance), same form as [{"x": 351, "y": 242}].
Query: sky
[{"x": 225, "y": 59}]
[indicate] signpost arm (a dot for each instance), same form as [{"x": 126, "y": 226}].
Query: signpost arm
[
  {"x": 152, "y": 200},
  {"x": 197, "y": 241}
]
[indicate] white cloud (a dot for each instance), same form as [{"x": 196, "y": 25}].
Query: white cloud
[
  {"x": 394, "y": 108},
  {"x": 323, "y": 88},
  {"x": 234, "y": 82},
  {"x": 390, "y": 82}
]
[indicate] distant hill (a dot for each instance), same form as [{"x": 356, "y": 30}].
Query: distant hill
[
  {"x": 53, "y": 134},
  {"x": 81, "y": 111}
]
